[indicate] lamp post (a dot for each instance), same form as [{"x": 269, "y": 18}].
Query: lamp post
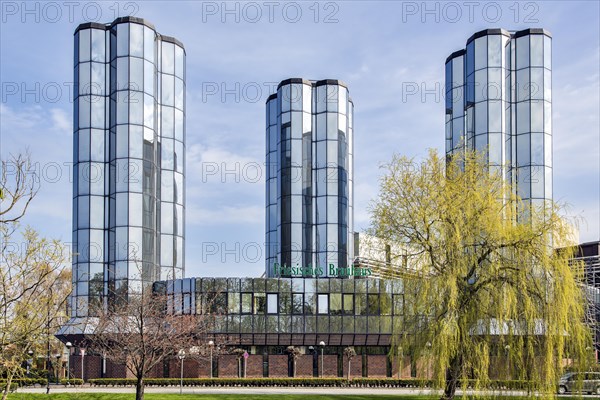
[
  {"x": 29, "y": 361},
  {"x": 57, "y": 367},
  {"x": 428, "y": 345},
  {"x": 401, "y": 363},
  {"x": 322, "y": 344},
  {"x": 210, "y": 345},
  {"x": 507, "y": 349},
  {"x": 181, "y": 356},
  {"x": 82, "y": 352},
  {"x": 68, "y": 345}
]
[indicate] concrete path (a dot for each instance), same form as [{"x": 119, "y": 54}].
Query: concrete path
[{"x": 258, "y": 391}]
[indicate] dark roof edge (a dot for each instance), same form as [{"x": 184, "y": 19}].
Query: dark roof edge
[
  {"x": 136, "y": 20},
  {"x": 312, "y": 83},
  {"x": 293, "y": 80},
  {"x": 331, "y": 82},
  {"x": 91, "y": 25},
  {"x": 532, "y": 31},
  {"x": 486, "y": 32},
  {"x": 455, "y": 54},
  {"x": 271, "y": 97},
  {"x": 171, "y": 39}
]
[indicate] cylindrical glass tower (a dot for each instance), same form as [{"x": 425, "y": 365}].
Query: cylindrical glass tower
[
  {"x": 309, "y": 191},
  {"x": 129, "y": 160},
  {"x": 498, "y": 101}
]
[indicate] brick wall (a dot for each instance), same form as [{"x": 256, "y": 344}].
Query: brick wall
[
  {"x": 114, "y": 370},
  {"x": 405, "y": 372},
  {"x": 304, "y": 366},
  {"x": 377, "y": 366},
  {"x": 424, "y": 368},
  {"x": 355, "y": 367},
  {"x": 228, "y": 366},
  {"x": 192, "y": 368},
  {"x": 254, "y": 366},
  {"x": 330, "y": 365},
  {"x": 278, "y": 366},
  {"x": 92, "y": 367}
]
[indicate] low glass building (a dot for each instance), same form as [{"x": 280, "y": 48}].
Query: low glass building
[{"x": 266, "y": 315}]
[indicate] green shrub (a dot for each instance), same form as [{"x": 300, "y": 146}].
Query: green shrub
[
  {"x": 300, "y": 382},
  {"x": 72, "y": 381},
  {"x": 13, "y": 386},
  {"x": 20, "y": 382}
]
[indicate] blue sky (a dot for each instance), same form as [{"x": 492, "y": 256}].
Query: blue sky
[{"x": 391, "y": 55}]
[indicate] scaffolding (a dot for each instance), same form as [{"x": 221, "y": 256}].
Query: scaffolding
[{"x": 592, "y": 291}]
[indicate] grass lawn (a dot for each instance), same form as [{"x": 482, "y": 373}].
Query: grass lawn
[{"x": 159, "y": 396}]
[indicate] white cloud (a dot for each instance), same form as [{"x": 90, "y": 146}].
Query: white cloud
[
  {"x": 219, "y": 215},
  {"x": 62, "y": 122}
]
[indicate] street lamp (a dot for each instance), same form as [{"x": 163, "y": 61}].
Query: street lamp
[
  {"x": 322, "y": 344},
  {"x": 428, "y": 345},
  {"x": 29, "y": 361},
  {"x": 401, "y": 363},
  {"x": 69, "y": 345},
  {"x": 82, "y": 352},
  {"x": 507, "y": 349},
  {"x": 210, "y": 345},
  {"x": 57, "y": 367},
  {"x": 181, "y": 356}
]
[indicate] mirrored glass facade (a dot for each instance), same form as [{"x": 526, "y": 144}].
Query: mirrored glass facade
[
  {"x": 297, "y": 311},
  {"x": 129, "y": 165},
  {"x": 499, "y": 101},
  {"x": 309, "y": 187}
]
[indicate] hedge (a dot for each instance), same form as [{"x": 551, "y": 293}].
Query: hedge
[
  {"x": 293, "y": 382},
  {"x": 25, "y": 382},
  {"x": 13, "y": 387},
  {"x": 72, "y": 381}
]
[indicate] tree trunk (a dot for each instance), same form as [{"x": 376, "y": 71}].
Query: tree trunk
[
  {"x": 139, "y": 388},
  {"x": 7, "y": 388},
  {"x": 452, "y": 375},
  {"x": 348, "y": 374}
]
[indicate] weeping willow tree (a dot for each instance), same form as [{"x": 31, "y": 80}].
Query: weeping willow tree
[{"x": 485, "y": 288}]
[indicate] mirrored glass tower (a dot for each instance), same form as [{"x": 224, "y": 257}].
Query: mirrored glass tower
[
  {"x": 309, "y": 186},
  {"x": 129, "y": 166},
  {"x": 499, "y": 101}
]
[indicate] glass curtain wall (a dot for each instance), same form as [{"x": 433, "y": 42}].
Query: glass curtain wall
[
  {"x": 309, "y": 188},
  {"x": 129, "y": 161},
  {"x": 506, "y": 108}
]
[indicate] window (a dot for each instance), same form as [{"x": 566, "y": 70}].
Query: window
[
  {"x": 398, "y": 304},
  {"x": 233, "y": 303},
  {"x": 348, "y": 304},
  {"x": 385, "y": 304},
  {"x": 259, "y": 303},
  {"x": 297, "y": 303},
  {"x": 187, "y": 303},
  {"x": 373, "y": 303},
  {"x": 246, "y": 303},
  {"x": 323, "y": 303},
  {"x": 272, "y": 303},
  {"x": 335, "y": 306},
  {"x": 360, "y": 304},
  {"x": 216, "y": 303}
]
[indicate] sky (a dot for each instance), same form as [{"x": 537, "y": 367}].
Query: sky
[{"x": 390, "y": 53}]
